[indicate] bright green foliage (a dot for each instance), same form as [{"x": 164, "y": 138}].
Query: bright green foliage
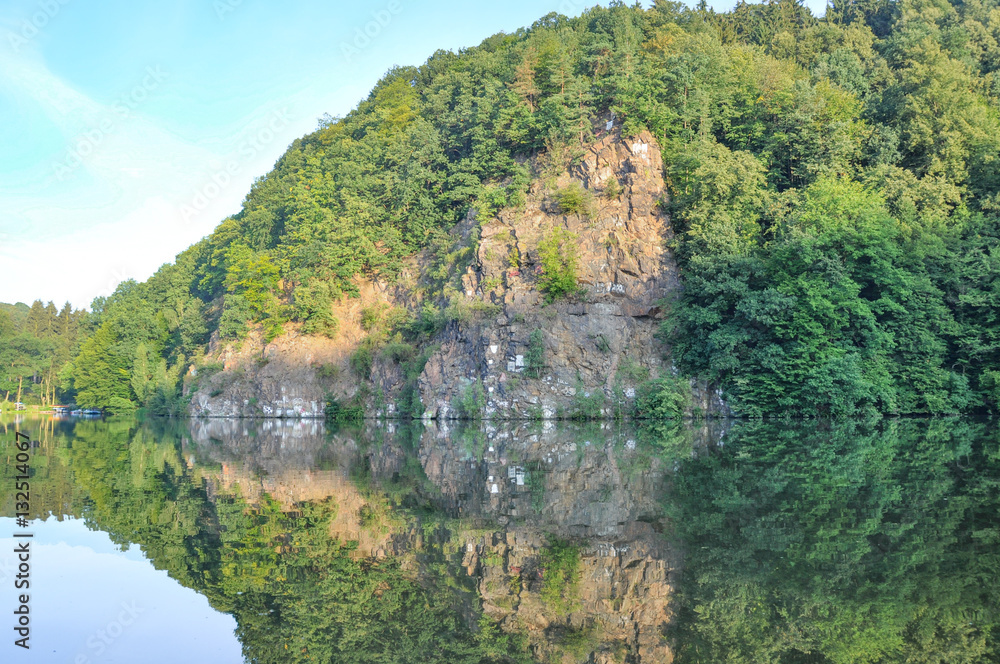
[
  {"x": 36, "y": 346},
  {"x": 140, "y": 348},
  {"x": 718, "y": 199},
  {"x": 560, "y": 563},
  {"x": 574, "y": 199},
  {"x": 664, "y": 399},
  {"x": 251, "y": 283},
  {"x": 297, "y": 593},
  {"x": 313, "y": 305},
  {"x": 814, "y": 542},
  {"x": 557, "y": 254}
]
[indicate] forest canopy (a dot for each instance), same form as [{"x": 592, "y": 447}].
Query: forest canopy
[{"x": 832, "y": 183}]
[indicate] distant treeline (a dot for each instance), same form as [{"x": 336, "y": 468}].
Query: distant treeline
[
  {"x": 36, "y": 346},
  {"x": 832, "y": 184}
]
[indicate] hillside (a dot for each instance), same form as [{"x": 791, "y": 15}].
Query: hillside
[{"x": 808, "y": 227}]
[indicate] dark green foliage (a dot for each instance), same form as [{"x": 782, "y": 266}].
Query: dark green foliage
[
  {"x": 409, "y": 403},
  {"x": 341, "y": 413},
  {"x": 843, "y": 311},
  {"x": 612, "y": 189},
  {"x": 470, "y": 402},
  {"x": 849, "y": 542},
  {"x": 663, "y": 399},
  {"x": 362, "y": 360}
]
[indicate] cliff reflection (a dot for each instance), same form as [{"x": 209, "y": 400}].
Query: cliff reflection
[{"x": 555, "y": 532}]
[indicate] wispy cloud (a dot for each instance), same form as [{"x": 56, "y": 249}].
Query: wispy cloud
[{"x": 110, "y": 201}]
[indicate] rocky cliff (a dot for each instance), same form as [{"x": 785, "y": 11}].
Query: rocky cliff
[
  {"x": 595, "y": 346},
  {"x": 519, "y": 355}
]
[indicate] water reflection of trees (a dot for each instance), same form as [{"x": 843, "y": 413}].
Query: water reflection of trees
[
  {"x": 802, "y": 543},
  {"x": 841, "y": 543}
]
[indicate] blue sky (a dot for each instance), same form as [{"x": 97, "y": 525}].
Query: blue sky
[
  {"x": 92, "y": 602},
  {"x": 129, "y": 129}
]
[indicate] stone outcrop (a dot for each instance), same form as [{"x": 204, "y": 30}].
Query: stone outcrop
[
  {"x": 291, "y": 376},
  {"x": 530, "y": 486},
  {"x": 597, "y": 346},
  {"x": 516, "y": 356}
]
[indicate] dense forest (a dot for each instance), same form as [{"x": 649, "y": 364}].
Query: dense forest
[
  {"x": 833, "y": 186},
  {"x": 843, "y": 544}
]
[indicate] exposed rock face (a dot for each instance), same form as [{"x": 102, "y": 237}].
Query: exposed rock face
[
  {"x": 272, "y": 380},
  {"x": 291, "y": 376},
  {"x": 590, "y": 350},
  {"x": 597, "y": 346}
]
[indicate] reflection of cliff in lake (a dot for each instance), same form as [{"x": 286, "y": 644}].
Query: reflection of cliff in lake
[
  {"x": 808, "y": 542},
  {"x": 556, "y": 528}
]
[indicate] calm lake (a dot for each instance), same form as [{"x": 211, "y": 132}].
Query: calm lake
[{"x": 290, "y": 541}]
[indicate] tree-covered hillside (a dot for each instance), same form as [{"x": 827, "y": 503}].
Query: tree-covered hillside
[
  {"x": 36, "y": 346},
  {"x": 832, "y": 185}
]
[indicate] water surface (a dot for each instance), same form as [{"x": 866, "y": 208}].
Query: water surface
[{"x": 286, "y": 541}]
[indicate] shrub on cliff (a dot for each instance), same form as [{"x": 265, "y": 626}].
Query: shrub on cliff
[
  {"x": 664, "y": 399},
  {"x": 469, "y": 404},
  {"x": 574, "y": 199},
  {"x": 557, "y": 253}
]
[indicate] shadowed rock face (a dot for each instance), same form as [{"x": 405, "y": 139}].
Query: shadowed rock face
[
  {"x": 595, "y": 342},
  {"x": 510, "y": 495}
]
